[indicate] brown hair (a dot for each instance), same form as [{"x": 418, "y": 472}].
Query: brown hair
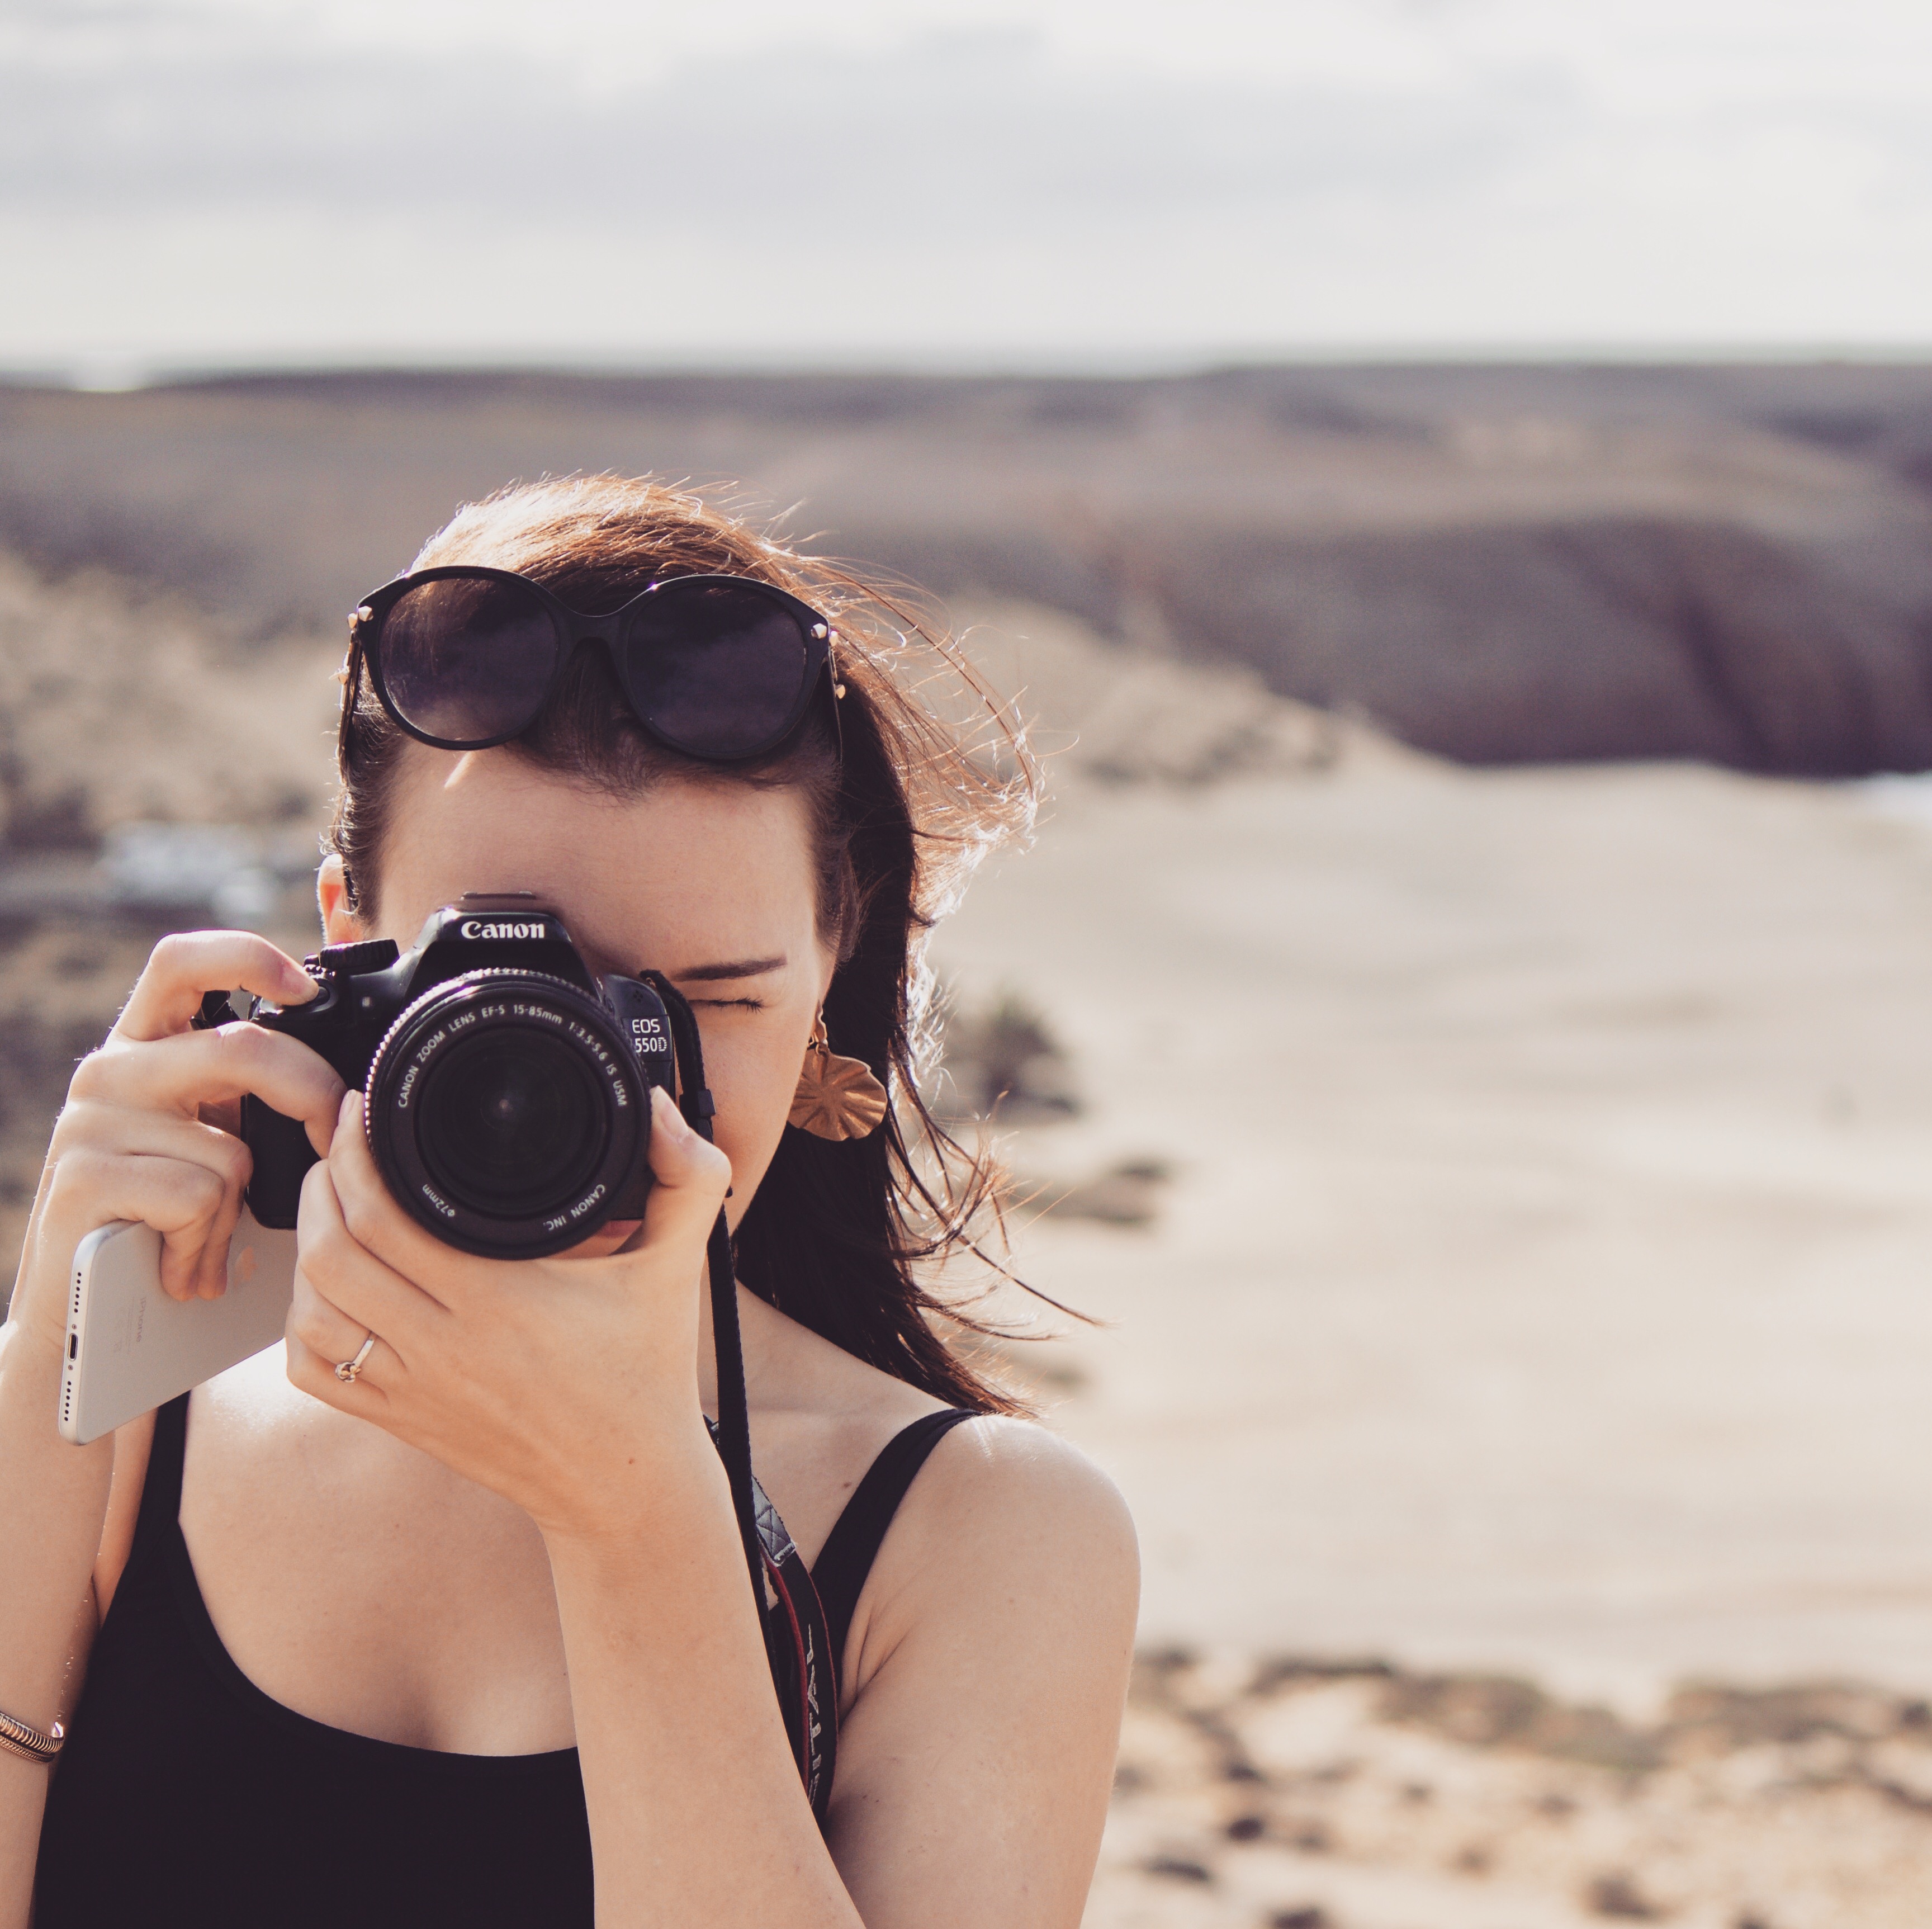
[{"x": 838, "y": 1232}]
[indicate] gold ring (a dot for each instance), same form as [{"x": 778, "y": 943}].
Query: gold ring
[{"x": 346, "y": 1369}]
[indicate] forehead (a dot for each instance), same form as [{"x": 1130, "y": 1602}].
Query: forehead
[{"x": 682, "y": 874}]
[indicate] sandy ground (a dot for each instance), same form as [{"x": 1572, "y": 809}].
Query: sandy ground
[
  {"x": 1542, "y": 1281},
  {"x": 1539, "y": 1290},
  {"x": 1300, "y": 1797}
]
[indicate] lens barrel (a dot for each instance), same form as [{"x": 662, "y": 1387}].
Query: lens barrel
[{"x": 506, "y": 1114}]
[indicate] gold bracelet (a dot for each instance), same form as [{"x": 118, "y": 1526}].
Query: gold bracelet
[{"x": 18, "y": 1739}]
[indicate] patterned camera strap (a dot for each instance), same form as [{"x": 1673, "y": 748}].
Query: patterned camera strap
[{"x": 798, "y": 1646}]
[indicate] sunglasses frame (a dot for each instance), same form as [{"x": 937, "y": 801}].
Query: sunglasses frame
[{"x": 574, "y": 628}]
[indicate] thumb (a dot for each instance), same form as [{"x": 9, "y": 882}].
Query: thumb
[{"x": 692, "y": 1174}]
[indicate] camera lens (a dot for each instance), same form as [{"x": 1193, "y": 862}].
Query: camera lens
[
  {"x": 506, "y": 1114},
  {"x": 511, "y": 1120}
]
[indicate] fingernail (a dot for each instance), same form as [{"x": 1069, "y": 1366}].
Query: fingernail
[
  {"x": 300, "y": 987},
  {"x": 665, "y": 1113}
]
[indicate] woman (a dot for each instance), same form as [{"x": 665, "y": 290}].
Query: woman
[{"x": 436, "y": 1636}]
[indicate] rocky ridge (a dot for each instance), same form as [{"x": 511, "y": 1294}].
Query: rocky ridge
[{"x": 1497, "y": 564}]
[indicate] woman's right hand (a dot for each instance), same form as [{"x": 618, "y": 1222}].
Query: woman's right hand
[{"x": 147, "y": 1132}]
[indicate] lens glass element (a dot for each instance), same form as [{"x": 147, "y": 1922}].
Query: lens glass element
[
  {"x": 511, "y": 1123},
  {"x": 718, "y": 668},
  {"x": 466, "y": 659}
]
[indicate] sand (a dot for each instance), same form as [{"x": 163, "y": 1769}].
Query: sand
[
  {"x": 1539, "y": 1291},
  {"x": 1542, "y": 1279},
  {"x": 1354, "y": 1798}
]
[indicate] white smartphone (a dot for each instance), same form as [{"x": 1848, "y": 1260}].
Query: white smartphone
[{"x": 130, "y": 1348}]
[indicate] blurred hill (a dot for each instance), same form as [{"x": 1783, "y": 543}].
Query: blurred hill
[
  {"x": 1497, "y": 564},
  {"x": 121, "y": 706}
]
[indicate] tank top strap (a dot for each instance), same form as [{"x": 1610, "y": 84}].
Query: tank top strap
[
  {"x": 161, "y": 1489},
  {"x": 839, "y": 1576}
]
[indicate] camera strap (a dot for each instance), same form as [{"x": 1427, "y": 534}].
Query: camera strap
[
  {"x": 797, "y": 1641},
  {"x": 734, "y": 1426}
]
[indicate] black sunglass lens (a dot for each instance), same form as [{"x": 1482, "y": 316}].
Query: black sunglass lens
[
  {"x": 717, "y": 669},
  {"x": 467, "y": 659}
]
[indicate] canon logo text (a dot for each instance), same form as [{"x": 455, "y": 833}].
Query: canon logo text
[{"x": 476, "y": 928}]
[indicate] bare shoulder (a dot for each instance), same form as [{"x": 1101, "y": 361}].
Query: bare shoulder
[
  {"x": 1015, "y": 1478},
  {"x": 1009, "y": 1529},
  {"x": 977, "y": 1738}
]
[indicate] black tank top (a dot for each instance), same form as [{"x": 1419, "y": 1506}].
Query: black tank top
[{"x": 186, "y": 1794}]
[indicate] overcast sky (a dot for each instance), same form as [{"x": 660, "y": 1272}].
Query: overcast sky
[{"x": 974, "y": 182}]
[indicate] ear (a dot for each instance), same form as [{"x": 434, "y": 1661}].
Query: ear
[{"x": 340, "y": 924}]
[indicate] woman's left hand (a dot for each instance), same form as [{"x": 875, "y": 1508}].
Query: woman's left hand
[{"x": 568, "y": 1385}]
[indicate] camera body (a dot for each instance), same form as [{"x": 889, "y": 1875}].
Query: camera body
[{"x": 507, "y": 1091}]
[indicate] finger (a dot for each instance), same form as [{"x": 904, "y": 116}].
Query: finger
[
  {"x": 330, "y": 1334},
  {"x": 88, "y": 1125},
  {"x": 692, "y": 1174},
  {"x": 184, "y": 967},
  {"x": 119, "y": 1130},
  {"x": 181, "y": 1199},
  {"x": 182, "y": 1072},
  {"x": 317, "y": 1377},
  {"x": 355, "y": 1281}
]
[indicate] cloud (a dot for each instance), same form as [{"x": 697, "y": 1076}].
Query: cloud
[
  {"x": 1393, "y": 169},
  {"x": 975, "y": 131}
]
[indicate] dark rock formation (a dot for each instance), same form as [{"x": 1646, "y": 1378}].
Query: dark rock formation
[{"x": 1499, "y": 564}]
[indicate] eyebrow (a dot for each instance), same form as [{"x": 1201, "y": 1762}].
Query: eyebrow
[{"x": 736, "y": 968}]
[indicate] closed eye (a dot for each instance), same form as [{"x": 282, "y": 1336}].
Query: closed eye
[{"x": 735, "y": 971}]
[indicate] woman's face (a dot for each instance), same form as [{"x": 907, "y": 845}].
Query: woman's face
[{"x": 711, "y": 884}]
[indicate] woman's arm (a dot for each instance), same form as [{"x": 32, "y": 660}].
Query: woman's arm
[
  {"x": 53, "y": 1498},
  {"x": 696, "y": 1813},
  {"x": 996, "y": 1632},
  {"x": 128, "y": 1144}
]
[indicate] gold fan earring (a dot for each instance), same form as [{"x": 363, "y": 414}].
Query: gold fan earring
[{"x": 837, "y": 1097}]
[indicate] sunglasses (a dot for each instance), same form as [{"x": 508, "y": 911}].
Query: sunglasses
[{"x": 717, "y": 667}]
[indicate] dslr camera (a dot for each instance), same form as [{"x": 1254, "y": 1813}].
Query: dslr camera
[{"x": 506, "y": 1091}]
